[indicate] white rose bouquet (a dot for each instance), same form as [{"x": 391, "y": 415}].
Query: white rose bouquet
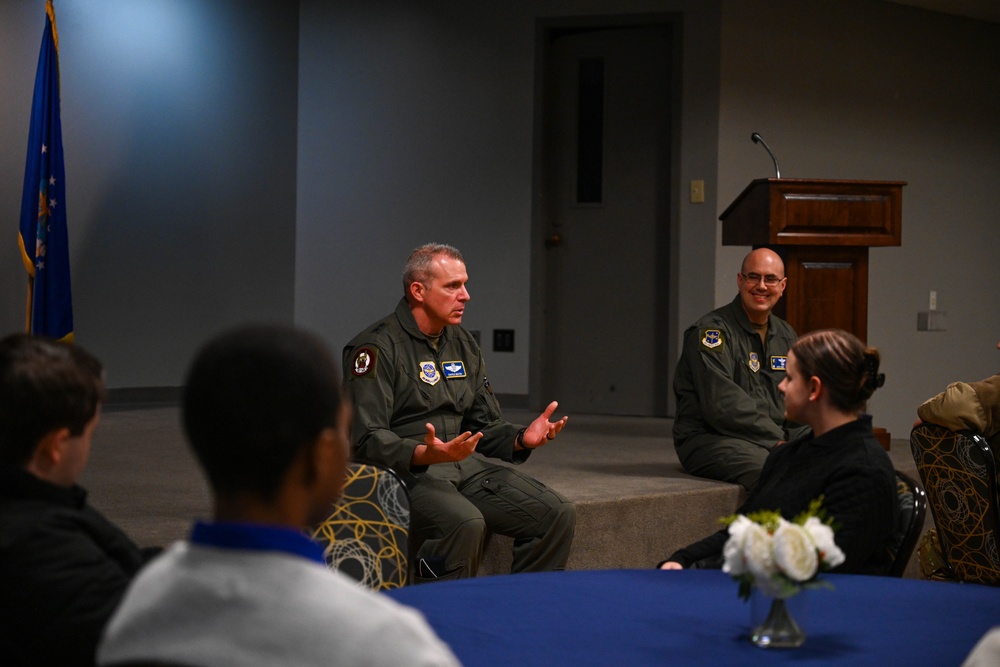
[{"x": 779, "y": 556}]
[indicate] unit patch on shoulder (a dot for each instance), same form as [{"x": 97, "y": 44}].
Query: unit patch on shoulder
[
  {"x": 429, "y": 372},
  {"x": 711, "y": 338},
  {"x": 779, "y": 363},
  {"x": 453, "y": 369},
  {"x": 754, "y": 362},
  {"x": 364, "y": 361}
]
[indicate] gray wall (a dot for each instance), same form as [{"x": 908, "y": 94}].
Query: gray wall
[
  {"x": 179, "y": 129},
  {"x": 874, "y": 90},
  {"x": 416, "y": 124},
  {"x": 230, "y": 160}
]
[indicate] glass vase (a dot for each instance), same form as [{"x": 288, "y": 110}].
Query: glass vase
[{"x": 772, "y": 621}]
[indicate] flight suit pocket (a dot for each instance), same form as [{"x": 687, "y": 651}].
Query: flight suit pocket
[
  {"x": 487, "y": 401},
  {"x": 520, "y": 495}
]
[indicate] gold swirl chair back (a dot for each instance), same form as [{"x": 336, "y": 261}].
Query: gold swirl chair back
[
  {"x": 960, "y": 478},
  {"x": 367, "y": 533}
]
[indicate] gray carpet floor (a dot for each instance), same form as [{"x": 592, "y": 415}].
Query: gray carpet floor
[{"x": 635, "y": 503}]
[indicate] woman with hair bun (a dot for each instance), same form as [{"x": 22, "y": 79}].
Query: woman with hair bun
[{"x": 830, "y": 377}]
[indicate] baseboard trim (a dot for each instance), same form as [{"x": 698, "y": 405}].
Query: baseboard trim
[{"x": 126, "y": 398}]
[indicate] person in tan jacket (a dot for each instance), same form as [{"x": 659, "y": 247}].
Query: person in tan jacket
[{"x": 966, "y": 405}]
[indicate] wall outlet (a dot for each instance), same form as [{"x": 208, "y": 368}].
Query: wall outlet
[
  {"x": 503, "y": 340},
  {"x": 932, "y": 320}
]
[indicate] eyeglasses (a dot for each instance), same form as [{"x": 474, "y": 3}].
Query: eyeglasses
[{"x": 769, "y": 280}]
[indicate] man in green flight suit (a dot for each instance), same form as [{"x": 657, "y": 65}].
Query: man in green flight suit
[
  {"x": 424, "y": 407},
  {"x": 729, "y": 410}
]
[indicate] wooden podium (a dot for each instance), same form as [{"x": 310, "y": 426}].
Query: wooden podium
[{"x": 822, "y": 229}]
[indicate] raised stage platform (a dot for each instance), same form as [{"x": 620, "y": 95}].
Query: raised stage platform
[{"x": 634, "y": 503}]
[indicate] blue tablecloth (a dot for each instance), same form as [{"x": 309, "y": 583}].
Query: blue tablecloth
[{"x": 694, "y": 617}]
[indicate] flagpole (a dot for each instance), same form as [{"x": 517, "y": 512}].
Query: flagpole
[
  {"x": 43, "y": 237},
  {"x": 51, "y": 11},
  {"x": 27, "y": 314}
]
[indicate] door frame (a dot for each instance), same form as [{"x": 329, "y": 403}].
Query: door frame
[{"x": 666, "y": 317}]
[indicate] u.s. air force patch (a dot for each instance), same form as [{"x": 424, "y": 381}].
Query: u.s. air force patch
[
  {"x": 711, "y": 338},
  {"x": 364, "y": 361},
  {"x": 429, "y": 372},
  {"x": 754, "y": 362},
  {"x": 779, "y": 363},
  {"x": 453, "y": 369}
]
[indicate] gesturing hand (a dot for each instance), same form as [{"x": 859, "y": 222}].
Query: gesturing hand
[
  {"x": 433, "y": 450},
  {"x": 540, "y": 431}
]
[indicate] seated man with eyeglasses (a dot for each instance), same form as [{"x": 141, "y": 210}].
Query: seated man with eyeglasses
[{"x": 729, "y": 410}]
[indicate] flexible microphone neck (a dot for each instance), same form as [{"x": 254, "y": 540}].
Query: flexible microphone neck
[{"x": 757, "y": 139}]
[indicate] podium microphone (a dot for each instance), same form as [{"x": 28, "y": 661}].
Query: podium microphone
[{"x": 757, "y": 139}]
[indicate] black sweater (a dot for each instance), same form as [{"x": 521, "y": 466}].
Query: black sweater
[{"x": 850, "y": 469}]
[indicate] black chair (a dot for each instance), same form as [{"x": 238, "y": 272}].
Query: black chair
[
  {"x": 912, "y": 509},
  {"x": 959, "y": 474},
  {"x": 367, "y": 533}
]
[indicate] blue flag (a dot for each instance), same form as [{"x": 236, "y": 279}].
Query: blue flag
[{"x": 43, "y": 237}]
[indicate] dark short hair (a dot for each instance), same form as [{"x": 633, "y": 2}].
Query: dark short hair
[
  {"x": 848, "y": 369},
  {"x": 44, "y": 385},
  {"x": 418, "y": 264},
  {"x": 254, "y": 397}
]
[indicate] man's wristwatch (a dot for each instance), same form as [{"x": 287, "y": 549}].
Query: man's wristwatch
[{"x": 519, "y": 439}]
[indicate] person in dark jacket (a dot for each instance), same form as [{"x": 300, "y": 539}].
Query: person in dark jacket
[
  {"x": 829, "y": 378},
  {"x": 63, "y": 566}
]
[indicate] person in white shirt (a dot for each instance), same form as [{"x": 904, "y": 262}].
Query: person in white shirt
[{"x": 265, "y": 416}]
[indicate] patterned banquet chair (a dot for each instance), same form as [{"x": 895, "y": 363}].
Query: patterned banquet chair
[
  {"x": 367, "y": 534},
  {"x": 959, "y": 475}
]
